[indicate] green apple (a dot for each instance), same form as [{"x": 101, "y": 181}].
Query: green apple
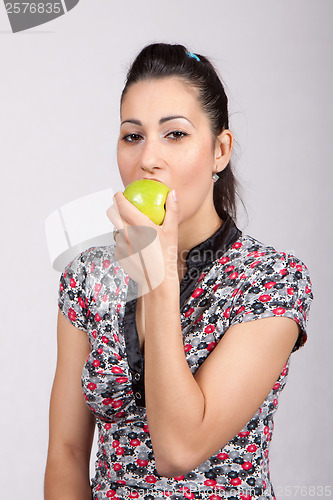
[{"x": 149, "y": 197}]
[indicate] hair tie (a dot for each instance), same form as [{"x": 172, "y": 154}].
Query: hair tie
[{"x": 190, "y": 54}]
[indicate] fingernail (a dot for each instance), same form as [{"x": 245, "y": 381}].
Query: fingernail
[{"x": 174, "y": 195}]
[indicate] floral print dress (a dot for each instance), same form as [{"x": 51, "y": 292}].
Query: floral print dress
[{"x": 231, "y": 278}]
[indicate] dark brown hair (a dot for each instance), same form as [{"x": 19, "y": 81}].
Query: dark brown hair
[{"x": 160, "y": 60}]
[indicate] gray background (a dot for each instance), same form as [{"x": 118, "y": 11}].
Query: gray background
[{"x": 60, "y": 86}]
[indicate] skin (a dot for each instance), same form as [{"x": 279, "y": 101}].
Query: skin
[{"x": 234, "y": 380}]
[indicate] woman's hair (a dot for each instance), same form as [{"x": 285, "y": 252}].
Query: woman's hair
[{"x": 160, "y": 60}]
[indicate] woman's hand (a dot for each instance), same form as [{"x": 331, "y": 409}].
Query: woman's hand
[{"x": 146, "y": 251}]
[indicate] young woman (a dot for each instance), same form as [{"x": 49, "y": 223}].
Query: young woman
[{"x": 183, "y": 381}]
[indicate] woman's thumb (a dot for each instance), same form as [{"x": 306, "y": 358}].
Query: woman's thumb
[{"x": 171, "y": 205}]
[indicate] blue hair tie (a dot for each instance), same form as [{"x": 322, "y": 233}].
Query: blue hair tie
[{"x": 190, "y": 54}]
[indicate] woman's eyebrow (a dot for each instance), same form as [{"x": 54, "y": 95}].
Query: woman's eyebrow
[
  {"x": 136, "y": 122},
  {"x": 174, "y": 117},
  {"x": 162, "y": 120}
]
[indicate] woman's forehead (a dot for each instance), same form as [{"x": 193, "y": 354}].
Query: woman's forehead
[{"x": 160, "y": 96}]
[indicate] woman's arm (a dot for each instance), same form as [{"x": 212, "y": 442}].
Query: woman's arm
[
  {"x": 191, "y": 417},
  {"x": 71, "y": 423}
]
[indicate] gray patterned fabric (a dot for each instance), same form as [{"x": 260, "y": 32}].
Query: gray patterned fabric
[{"x": 246, "y": 282}]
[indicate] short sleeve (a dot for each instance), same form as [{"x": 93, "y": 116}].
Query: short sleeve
[
  {"x": 72, "y": 299},
  {"x": 279, "y": 286}
]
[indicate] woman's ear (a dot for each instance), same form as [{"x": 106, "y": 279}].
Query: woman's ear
[{"x": 223, "y": 148}]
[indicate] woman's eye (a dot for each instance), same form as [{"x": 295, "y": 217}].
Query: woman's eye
[
  {"x": 177, "y": 134},
  {"x": 131, "y": 138}
]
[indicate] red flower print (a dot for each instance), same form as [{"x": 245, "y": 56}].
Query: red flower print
[
  {"x": 251, "y": 448},
  {"x": 215, "y": 497},
  {"x": 97, "y": 317},
  {"x": 265, "y": 298},
  {"x": 229, "y": 269},
  {"x": 211, "y": 346},
  {"x": 187, "y": 347},
  {"x": 120, "y": 450},
  {"x": 117, "y": 466},
  {"x": 105, "y": 339},
  {"x": 276, "y": 386},
  {"x": 98, "y": 287},
  {"x": 106, "y": 263},
  {"x": 91, "y": 386},
  {"x": 116, "y": 369},
  {"x": 255, "y": 263},
  {"x": 107, "y": 426},
  {"x": 142, "y": 463},
  {"x": 283, "y": 271},
  {"x": 145, "y": 428},
  {"x": 150, "y": 479},
  {"x": 226, "y": 313},
  {"x": 209, "y": 329},
  {"x": 179, "y": 478},
  {"x": 135, "y": 442},
  {"x": 197, "y": 292},
  {"x": 189, "y": 312},
  {"x": 126, "y": 280},
  {"x": 222, "y": 456},
  {"x": 279, "y": 310},
  {"x": 121, "y": 380},
  {"x": 210, "y": 482},
  {"x": 235, "y": 481},
  {"x": 94, "y": 333},
  {"x": 270, "y": 284},
  {"x": 71, "y": 314},
  {"x": 290, "y": 291},
  {"x": 233, "y": 276},
  {"x": 96, "y": 362},
  {"x": 110, "y": 493},
  {"x": 81, "y": 302},
  {"x": 118, "y": 307},
  {"x": 243, "y": 433},
  {"x": 224, "y": 260},
  {"x": 307, "y": 289},
  {"x": 247, "y": 465},
  {"x": 116, "y": 338},
  {"x": 107, "y": 401},
  {"x": 61, "y": 287},
  {"x": 237, "y": 245},
  {"x": 117, "y": 403},
  {"x": 73, "y": 283}
]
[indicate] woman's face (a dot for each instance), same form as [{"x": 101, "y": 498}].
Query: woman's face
[{"x": 165, "y": 135}]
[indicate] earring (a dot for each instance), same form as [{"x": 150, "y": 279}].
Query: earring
[{"x": 215, "y": 177}]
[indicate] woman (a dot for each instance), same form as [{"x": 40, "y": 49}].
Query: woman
[{"x": 183, "y": 381}]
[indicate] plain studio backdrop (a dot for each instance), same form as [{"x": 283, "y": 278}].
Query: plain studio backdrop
[{"x": 60, "y": 86}]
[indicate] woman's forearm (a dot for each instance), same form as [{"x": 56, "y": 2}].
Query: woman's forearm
[
  {"x": 66, "y": 478},
  {"x": 174, "y": 400}
]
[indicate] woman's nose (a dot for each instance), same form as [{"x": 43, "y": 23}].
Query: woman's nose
[{"x": 151, "y": 155}]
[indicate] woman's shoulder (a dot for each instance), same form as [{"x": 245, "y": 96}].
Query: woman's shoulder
[
  {"x": 257, "y": 255},
  {"x": 92, "y": 261}
]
